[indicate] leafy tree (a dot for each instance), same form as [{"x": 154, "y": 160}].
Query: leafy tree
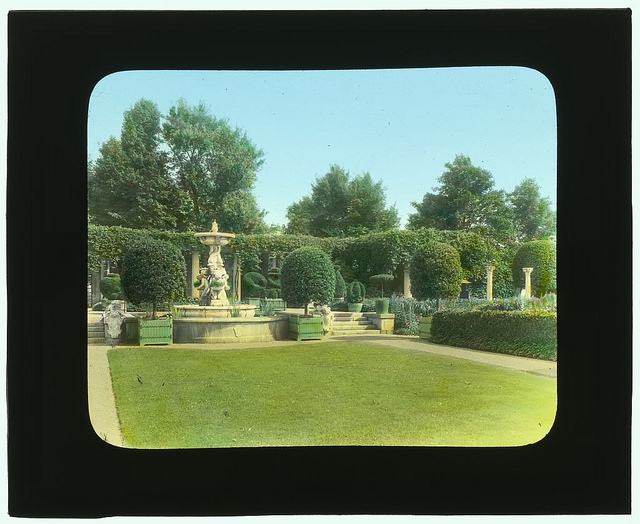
[
  {"x": 153, "y": 271},
  {"x": 465, "y": 201},
  {"x": 435, "y": 272},
  {"x": 308, "y": 275},
  {"x": 342, "y": 206},
  {"x": 532, "y": 213},
  {"x": 129, "y": 185},
  {"x": 215, "y": 166}
]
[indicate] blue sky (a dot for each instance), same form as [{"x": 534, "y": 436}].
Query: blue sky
[{"x": 401, "y": 126}]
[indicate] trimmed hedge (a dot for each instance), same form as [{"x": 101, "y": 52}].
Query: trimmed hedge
[
  {"x": 436, "y": 272},
  {"x": 523, "y": 333}
]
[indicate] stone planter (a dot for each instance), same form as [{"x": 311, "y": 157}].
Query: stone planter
[
  {"x": 159, "y": 331},
  {"x": 424, "y": 328},
  {"x": 305, "y": 328},
  {"x": 354, "y": 307},
  {"x": 382, "y": 306}
]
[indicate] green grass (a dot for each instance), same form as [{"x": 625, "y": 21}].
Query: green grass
[{"x": 330, "y": 393}]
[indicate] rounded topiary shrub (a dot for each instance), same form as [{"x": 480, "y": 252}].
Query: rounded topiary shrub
[
  {"x": 541, "y": 256},
  {"x": 110, "y": 287},
  {"x": 435, "y": 272},
  {"x": 307, "y": 275},
  {"x": 153, "y": 271}
]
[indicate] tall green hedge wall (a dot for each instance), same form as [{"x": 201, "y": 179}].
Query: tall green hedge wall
[
  {"x": 107, "y": 242},
  {"x": 524, "y": 333},
  {"x": 358, "y": 258}
]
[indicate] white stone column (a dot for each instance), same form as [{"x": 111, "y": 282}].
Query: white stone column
[
  {"x": 527, "y": 281},
  {"x": 407, "y": 284},
  {"x": 490, "y": 270},
  {"x": 195, "y": 271}
]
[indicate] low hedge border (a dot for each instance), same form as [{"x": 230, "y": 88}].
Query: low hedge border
[{"x": 530, "y": 334}]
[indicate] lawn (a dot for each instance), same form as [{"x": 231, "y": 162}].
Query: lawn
[{"x": 330, "y": 393}]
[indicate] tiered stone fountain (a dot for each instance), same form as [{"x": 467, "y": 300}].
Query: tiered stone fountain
[{"x": 213, "y": 285}]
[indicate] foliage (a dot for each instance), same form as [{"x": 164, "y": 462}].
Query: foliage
[
  {"x": 524, "y": 333},
  {"x": 307, "y": 275},
  {"x": 153, "y": 272},
  {"x": 464, "y": 201},
  {"x": 254, "y": 284},
  {"x": 267, "y": 309},
  {"x": 110, "y": 287},
  {"x": 216, "y": 166},
  {"x": 108, "y": 242},
  {"x": 251, "y": 247},
  {"x": 532, "y": 213},
  {"x": 406, "y": 319},
  {"x": 391, "y": 252},
  {"x": 129, "y": 183},
  {"x": 175, "y": 172},
  {"x": 355, "y": 292},
  {"x": 341, "y": 286},
  {"x": 541, "y": 256},
  {"x": 381, "y": 279},
  {"x": 436, "y": 272},
  {"x": 340, "y": 206}
]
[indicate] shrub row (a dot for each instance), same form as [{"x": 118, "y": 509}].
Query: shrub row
[{"x": 523, "y": 333}]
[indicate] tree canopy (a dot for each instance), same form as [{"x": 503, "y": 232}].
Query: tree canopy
[
  {"x": 176, "y": 172},
  {"x": 342, "y": 206},
  {"x": 467, "y": 201},
  {"x": 128, "y": 185},
  {"x": 532, "y": 214}
]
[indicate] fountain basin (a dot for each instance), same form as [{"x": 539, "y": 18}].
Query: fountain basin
[
  {"x": 221, "y": 330},
  {"x": 239, "y": 310}
]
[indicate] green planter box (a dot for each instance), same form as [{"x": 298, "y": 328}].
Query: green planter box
[
  {"x": 305, "y": 328},
  {"x": 382, "y": 306},
  {"x": 424, "y": 328},
  {"x": 159, "y": 331},
  {"x": 354, "y": 307}
]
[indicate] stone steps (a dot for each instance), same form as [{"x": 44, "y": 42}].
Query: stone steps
[
  {"x": 346, "y": 323},
  {"x": 95, "y": 333}
]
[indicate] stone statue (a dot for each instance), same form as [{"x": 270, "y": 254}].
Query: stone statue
[
  {"x": 204, "y": 288},
  {"x": 113, "y": 319},
  {"x": 215, "y": 260},
  {"x": 327, "y": 318}
]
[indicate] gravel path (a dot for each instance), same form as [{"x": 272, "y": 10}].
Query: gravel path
[
  {"x": 102, "y": 405},
  {"x": 530, "y": 365}
]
